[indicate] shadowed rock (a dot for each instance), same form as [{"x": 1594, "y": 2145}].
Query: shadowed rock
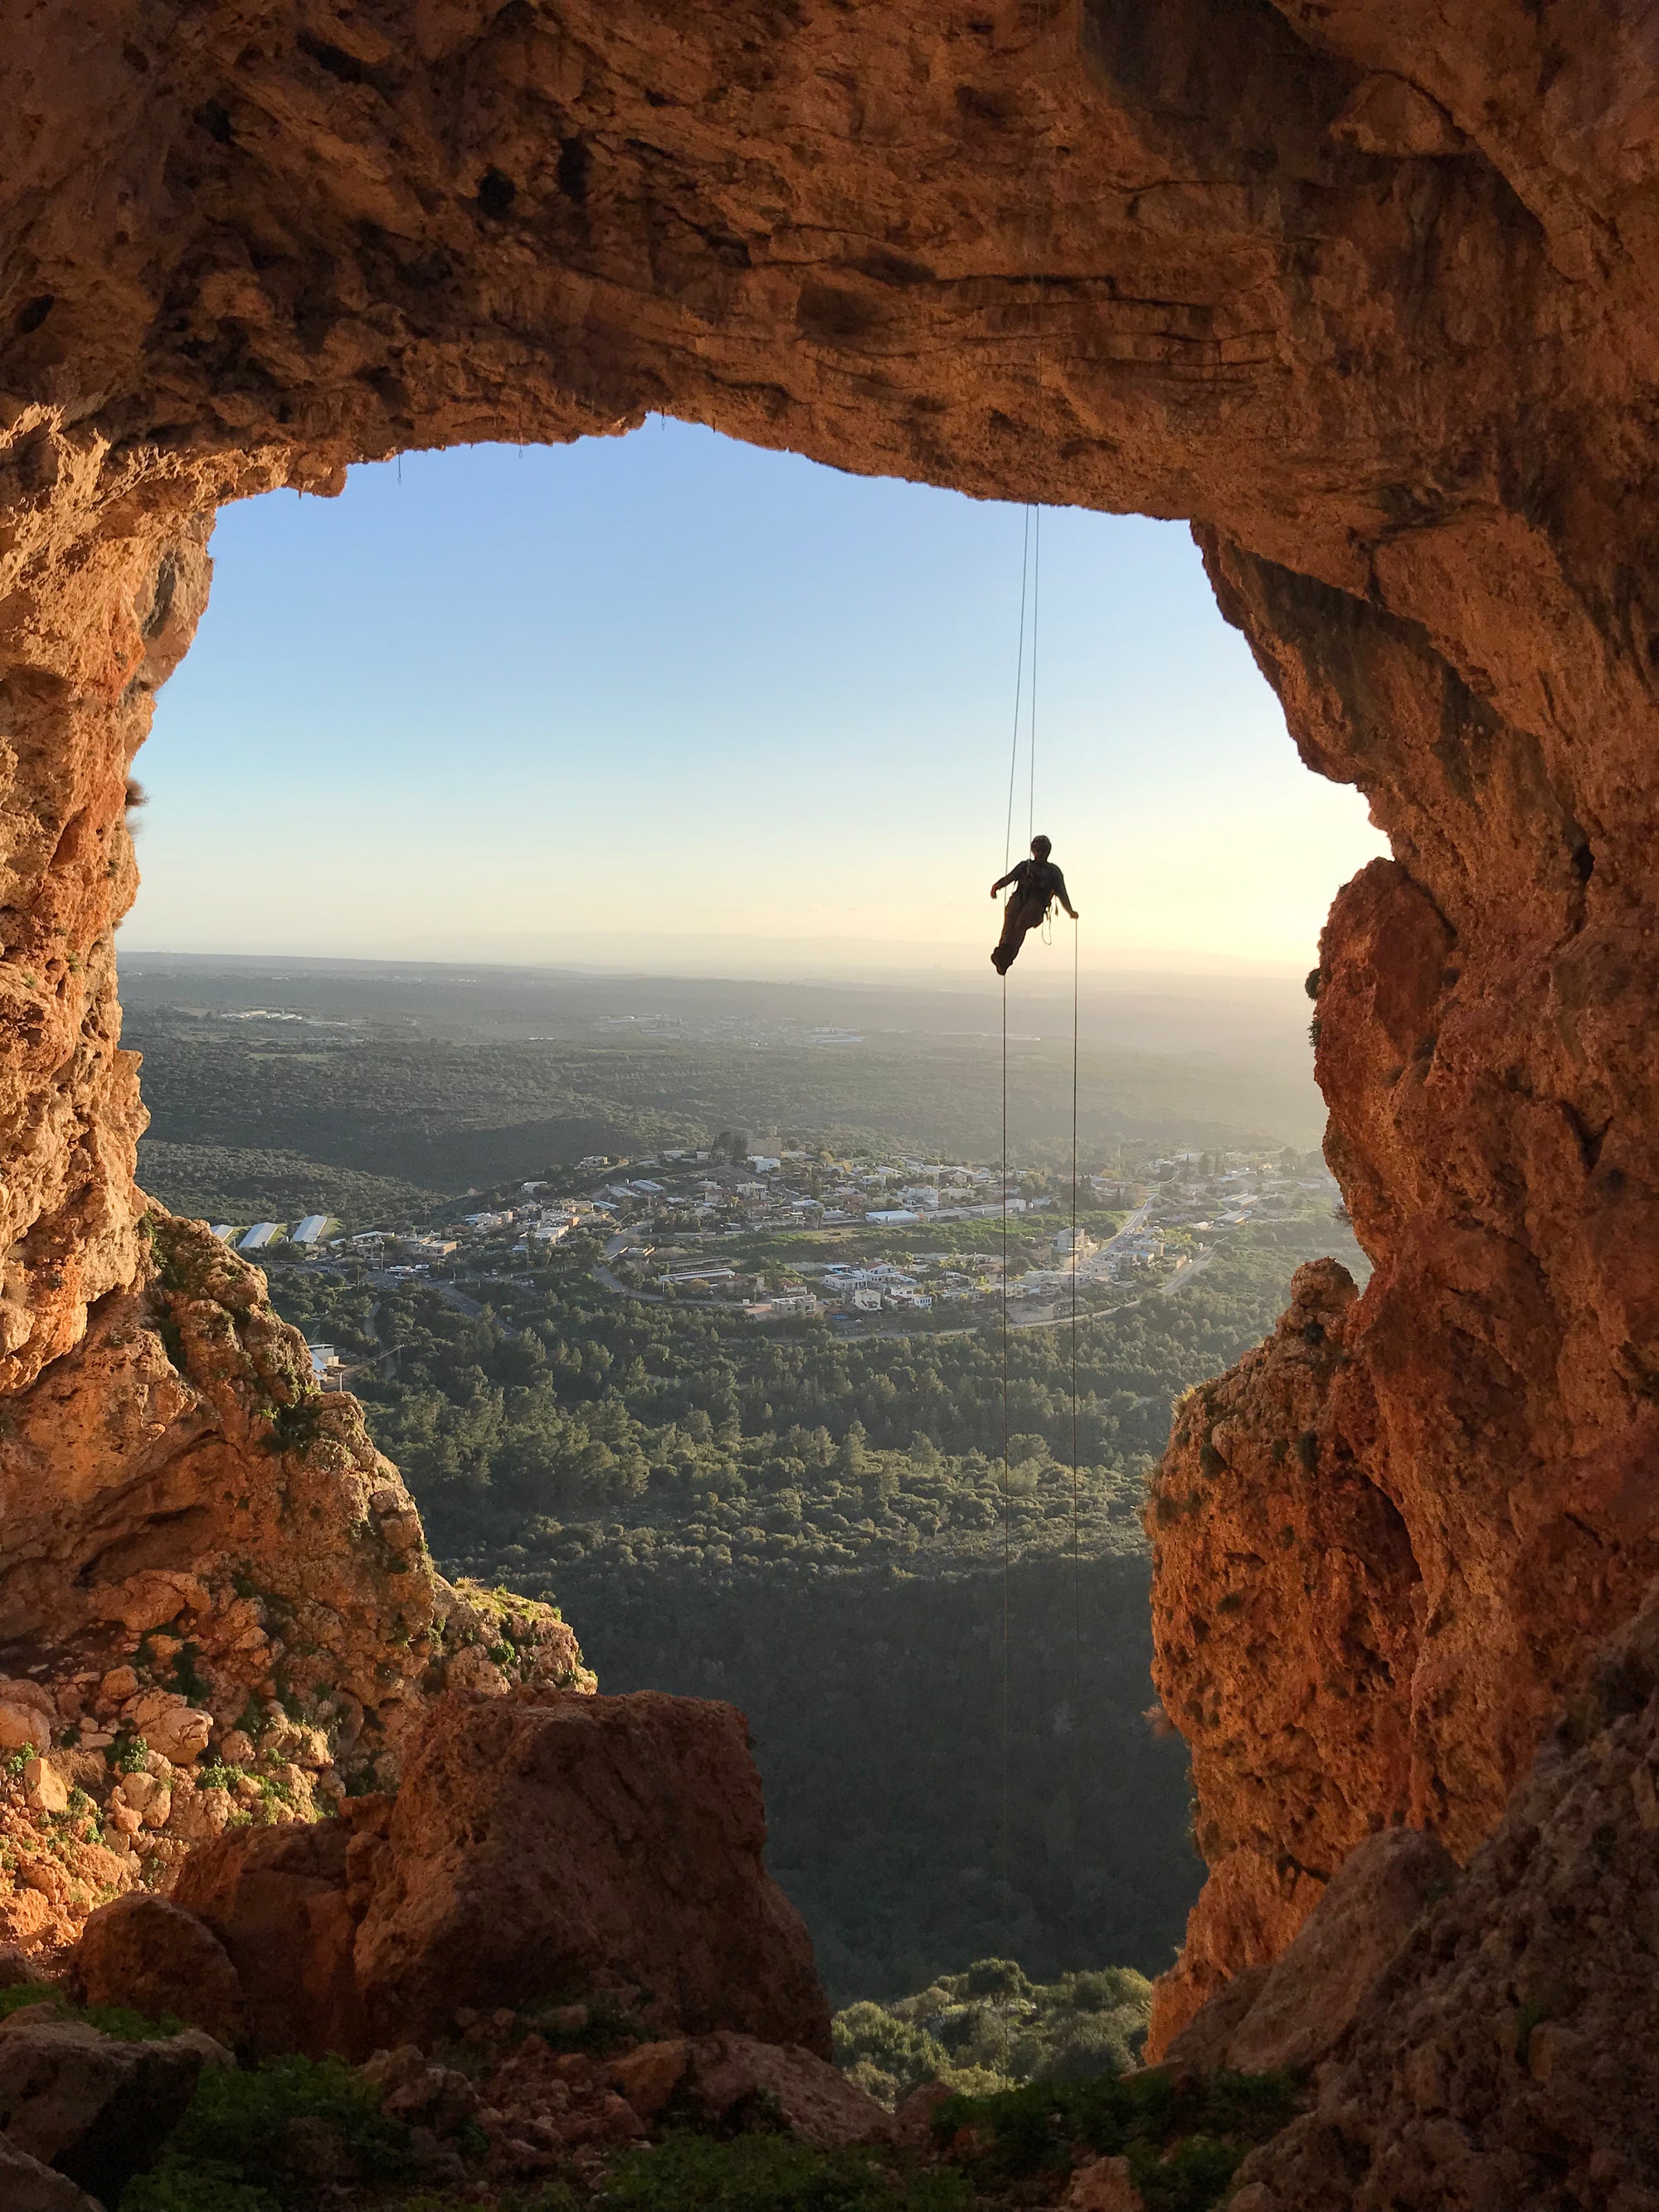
[
  {"x": 1509, "y": 2054},
  {"x": 145, "y": 1952},
  {"x": 1295, "y": 2012},
  {"x": 723, "y": 2078},
  {"x": 277, "y": 1901},
  {"x": 96, "y": 2108},
  {"x": 539, "y": 1847},
  {"x": 27, "y": 2185}
]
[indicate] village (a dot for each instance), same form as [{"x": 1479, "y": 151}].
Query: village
[{"x": 772, "y": 1228}]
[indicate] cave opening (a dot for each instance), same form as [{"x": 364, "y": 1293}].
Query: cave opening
[
  {"x": 418, "y": 714},
  {"x": 1372, "y": 302}
]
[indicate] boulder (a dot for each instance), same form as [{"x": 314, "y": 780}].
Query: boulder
[
  {"x": 420, "y": 2093},
  {"x": 169, "y": 1724},
  {"x": 1204, "y": 2042},
  {"x": 146, "y": 1952},
  {"x": 46, "y": 1787},
  {"x": 15, "y": 1966},
  {"x": 729, "y": 2078},
  {"x": 23, "y": 1727},
  {"x": 150, "y": 1600},
  {"x": 277, "y": 1901},
  {"x": 26, "y": 2185},
  {"x": 1103, "y": 2185},
  {"x": 1312, "y": 1992},
  {"x": 547, "y": 1845},
  {"x": 96, "y": 2108}
]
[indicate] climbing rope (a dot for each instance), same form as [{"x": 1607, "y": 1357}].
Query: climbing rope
[
  {"x": 1076, "y": 1497},
  {"x": 1031, "y": 595},
  {"x": 1019, "y": 688},
  {"x": 1036, "y": 601},
  {"x": 1007, "y": 1530}
]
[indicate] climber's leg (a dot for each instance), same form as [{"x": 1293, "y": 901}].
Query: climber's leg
[{"x": 1020, "y": 916}]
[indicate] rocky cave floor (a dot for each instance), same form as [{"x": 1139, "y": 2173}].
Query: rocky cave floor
[
  {"x": 546, "y": 2109},
  {"x": 551, "y": 1969}
]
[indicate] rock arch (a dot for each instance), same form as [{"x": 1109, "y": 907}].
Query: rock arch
[{"x": 1364, "y": 294}]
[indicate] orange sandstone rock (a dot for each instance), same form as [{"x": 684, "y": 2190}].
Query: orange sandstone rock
[
  {"x": 1365, "y": 292},
  {"x": 540, "y": 1846},
  {"x": 1510, "y": 2052},
  {"x": 276, "y": 1899},
  {"x": 146, "y": 1953},
  {"x": 1295, "y": 2011}
]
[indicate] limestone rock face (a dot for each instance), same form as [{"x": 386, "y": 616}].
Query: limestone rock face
[
  {"x": 542, "y": 1846},
  {"x": 1509, "y": 2053},
  {"x": 1365, "y": 292}
]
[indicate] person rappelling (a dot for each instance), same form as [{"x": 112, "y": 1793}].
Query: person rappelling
[{"x": 1037, "y": 884}]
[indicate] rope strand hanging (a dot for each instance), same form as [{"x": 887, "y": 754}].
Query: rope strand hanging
[{"x": 1034, "y": 885}]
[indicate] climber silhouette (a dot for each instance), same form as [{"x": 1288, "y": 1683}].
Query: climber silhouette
[{"x": 1037, "y": 884}]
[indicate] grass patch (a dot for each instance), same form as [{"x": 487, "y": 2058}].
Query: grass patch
[
  {"x": 773, "y": 2174},
  {"x": 231, "y": 2151},
  {"x": 1184, "y": 2139},
  {"x": 117, "y": 2020}
]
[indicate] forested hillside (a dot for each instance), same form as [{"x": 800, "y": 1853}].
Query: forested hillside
[
  {"x": 816, "y": 1528},
  {"x": 252, "y": 1117}
]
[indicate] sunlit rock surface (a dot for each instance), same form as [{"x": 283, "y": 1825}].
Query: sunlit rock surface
[{"x": 1366, "y": 293}]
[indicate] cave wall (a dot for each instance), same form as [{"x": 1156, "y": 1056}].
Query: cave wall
[{"x": 1364, "y": 293}]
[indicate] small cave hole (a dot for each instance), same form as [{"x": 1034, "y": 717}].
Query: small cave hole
[
  {"x": 497, "y": 194},
  {"x": 575, "y": 168}
]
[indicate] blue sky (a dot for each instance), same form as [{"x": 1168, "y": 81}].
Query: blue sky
[{"x": 668, "y": 699}]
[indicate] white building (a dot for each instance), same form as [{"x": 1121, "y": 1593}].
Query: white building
[
  {"x": 313, "y": 1229},
  {"x": 261, "y": 1234}
]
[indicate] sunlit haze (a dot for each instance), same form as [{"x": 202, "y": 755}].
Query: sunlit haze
[{"x": 669, "y": 701}]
